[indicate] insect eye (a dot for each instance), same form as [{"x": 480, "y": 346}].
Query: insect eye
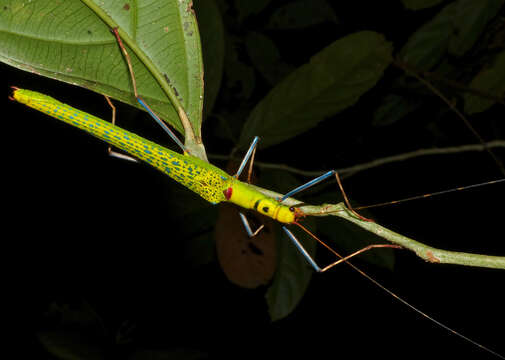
[{"x": 227, "y": 193}]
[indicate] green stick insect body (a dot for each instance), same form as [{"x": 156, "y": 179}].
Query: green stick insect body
[{"x": 207, "y": 180}]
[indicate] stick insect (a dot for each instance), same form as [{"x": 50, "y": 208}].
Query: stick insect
[{"x": 206, "y": 180}]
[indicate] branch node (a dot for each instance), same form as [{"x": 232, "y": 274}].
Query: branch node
[{"x": 431, "y": 257}]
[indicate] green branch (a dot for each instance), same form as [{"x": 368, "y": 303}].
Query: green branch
[
  {"x": 425, "y": 252},
  {"x": 352, "y": 170}
]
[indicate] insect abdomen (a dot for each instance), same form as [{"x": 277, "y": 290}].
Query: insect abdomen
[{"x": 195, "y": 174}]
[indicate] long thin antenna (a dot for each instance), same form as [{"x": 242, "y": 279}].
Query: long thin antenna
[
  {"x": 412, "y": 307},
  {"x": 424, "y": 196}
]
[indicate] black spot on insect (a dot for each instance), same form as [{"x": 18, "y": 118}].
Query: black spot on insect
[
  {"x": 265, "y": 209},
  {"x": 6, "y": 8},
  {"x": 90, "y": 32},
  {"x": 256, "y": 204}
]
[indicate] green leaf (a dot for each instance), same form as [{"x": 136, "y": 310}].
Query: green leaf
[
  {"x": 212, "y": 34},
  {"x": 455, "y": 28},
  {"x": 247, "y": 8},
  {"x": 239, "y": 76},
  {"x": 78, "y": 332},
  {"x": 333, "y": 80},
  {"x": 426, "y": 47},
  {"x": 469, "y": 23},
  {"x": 302, "y": 13},
  {"x": 420, "y": 4},
  {"x": 491, "y": 79},
  {"x": 394, "y": 108},
  {"x": 71, "y": 345},
  {"x": 73, "y": 43},
  {"x": 266, "y": 57}
]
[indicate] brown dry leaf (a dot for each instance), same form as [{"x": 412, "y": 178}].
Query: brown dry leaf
[{"x": 247, "y": 262}]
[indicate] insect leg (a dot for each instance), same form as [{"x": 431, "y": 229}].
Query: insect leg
[
  {"x": 317, "y": 181},
  {"x": 249, "y": 171},
  {"x": 109, "y": 149},
  {"x": 249, "y": 155},
  {"x": 250, "y": 152},
  {"x": 140, "y": 100},
  {"x": 342, "y": 259},
  {"x": 375, "y": 282},
  {"x": 247, "y": 227},
  {"x": 307, "y": 185},
  {"x": 301, "y": 249}
]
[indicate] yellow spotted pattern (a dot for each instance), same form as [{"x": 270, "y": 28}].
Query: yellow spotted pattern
[{"x": 199, "y": 176}]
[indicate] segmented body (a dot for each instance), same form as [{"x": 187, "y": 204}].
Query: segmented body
[
  {"x": 207, "y": 180},
  {"x": 199, "y": 176}
]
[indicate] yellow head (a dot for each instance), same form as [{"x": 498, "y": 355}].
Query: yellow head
[
  {"x": 286, "y": 214},
  {"x": 247, "y": 197},
  {"x": 272, "y": 208}
]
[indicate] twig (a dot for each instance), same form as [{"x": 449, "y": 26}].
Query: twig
[
  {"x": 425, "y": 252},
  {"x": 351, "y": 170},
  {"x": 422, "y": 152},
  {"x": 408, "y": 70},
  {"x": 463, "y": 88}
]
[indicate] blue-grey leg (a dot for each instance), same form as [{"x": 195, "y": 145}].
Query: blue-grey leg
[
  {"x": 247, "y": 227},
  {"x": 308, "y": 184},
  {"x": 317, "y": 181},
  {"x": 161, "y": 123},
  {"x": 301, "y": 249},
  {"x": 139, "y": 99},
  {"x": 250, "y": 151},
  {"x": 342, "y": 259},
  {"x": 248, "y": 155}
]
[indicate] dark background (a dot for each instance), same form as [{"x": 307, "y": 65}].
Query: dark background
[{"x": 87, "y": 227}]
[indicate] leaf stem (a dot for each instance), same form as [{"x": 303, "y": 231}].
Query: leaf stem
[{"x": 190, "y": 139}]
